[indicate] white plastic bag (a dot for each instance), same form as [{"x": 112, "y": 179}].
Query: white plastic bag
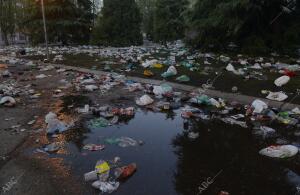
[
  {"x": 285, "y": 151},
  {"x": 282, "y": 81},
  {"x": 277, "y": 96},
  {"x": 259, "y": 106},
  {"x": 144, "y": 100}
]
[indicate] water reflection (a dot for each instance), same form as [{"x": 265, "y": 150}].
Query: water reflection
[
  {"x": 171, "y": 163},
  {"x": 232, "y": 151}
]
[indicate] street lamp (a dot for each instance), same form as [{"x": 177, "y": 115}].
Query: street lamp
[{"x": 45, "y": 29}]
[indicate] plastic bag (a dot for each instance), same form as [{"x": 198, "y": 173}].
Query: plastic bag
[
  {"x": 259, "y": 106},
  {"x": 102, "y": 167},
  {"x": 93, "y": 147},
  {"x": 277, "y": 96},
  {"x": 126, "y": 142},
  {"x": 285, "y": 151},
  {"x": 282, "y": 81},
  {"x": 149, "y": 63},
  {"x": 183, "y": 78},
  {"x": 158, "y": 66},
  {"x": 203, "y": 99},
  {"x": 91, "y": 87},
  {"x": 54, "y": 125},
  {"x": 106, "y": 187},
  {"x": 98, "y": 122},
  {"x": 170, "y": 72},
  {"x": 8, "y": 101},
  {"x": 144, "y": 100},
  {"x": 162, "y": 89},
  {"x": 148, "y": 73}
]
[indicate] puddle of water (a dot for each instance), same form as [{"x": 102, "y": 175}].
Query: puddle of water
[{"x": 171, "y": 163}]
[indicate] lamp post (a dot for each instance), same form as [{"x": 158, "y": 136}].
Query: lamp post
[{"x": 45, "y": 29}]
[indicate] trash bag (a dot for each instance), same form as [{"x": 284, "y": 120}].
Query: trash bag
[
  {"x": 289, "y": 73},
  {"x": 149, "y": 63},
  {"x": 126, "y": 142},
  {"x": 193, "y": 135},
  {"x": 162, "y": 89},
  {"x": 102, "y": 166},
  {"x": 259, "y": 106},
  {"x": 282, "y": 81},
  {"x": 284, "y": 151},
  {"x": 106, "y": 187},
  {"x": 277, "y": 96},
  {"x": 148, "y": 73},
  {"x": 296, "y": 110},
  {"x": 158, "y": 66},
  {"x": 183, "y": 78},
  {"x": 91, "y": 87},
  {"x": 93, "y": 147},
  {"x": 232, "y": 121},
  {"x": 170, "y": 72},
  {"x": 125, "y": 172},
  {"x": 54, "y": 124},
  {"x": 215, "y": 103},
  {"x": 230, "y": 68},
  {"x": 53, "y": 147},
  {"x": 41, "y": 76},
  {"x": 91, "y": 176},
  {"x": 203, "y": 99},
  {"x": 144, "y": 100},
  {"x": 8, "y": 101},
  {"x": 98, "y": 123},
  {"x": 265, "y": 132}
]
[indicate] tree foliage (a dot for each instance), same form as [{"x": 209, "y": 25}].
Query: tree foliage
[
  {"x": 147, "y": 8},
  {"x": 169, "y": 20},
  {"x": 67, "y": 21},
  {"x": 119, "y": 24},
  {"x": 8, "y": 13},
  {"x": 250, "y": 23}
]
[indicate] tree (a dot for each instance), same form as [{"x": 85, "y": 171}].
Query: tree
[
  {"x": 119, "y": 24},
  {"x": 147, "y": 8},
  {"x": 7, "y": 19},
  {"x": 67, "y": 21},
  {"x": 169, "y": 20},
  {"x": 246, "y": 22}
]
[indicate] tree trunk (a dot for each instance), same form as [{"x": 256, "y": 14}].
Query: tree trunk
[{"x": 5, "y": 38}]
